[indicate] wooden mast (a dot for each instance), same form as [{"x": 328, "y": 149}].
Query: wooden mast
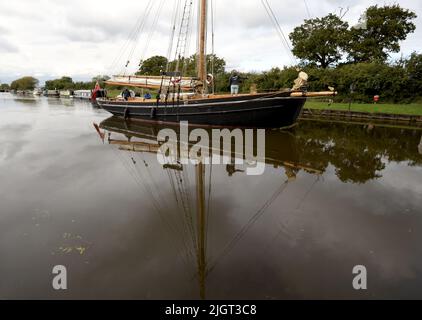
[{"x": 202, "y": 63}]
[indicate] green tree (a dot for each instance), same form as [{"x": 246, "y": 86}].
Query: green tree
[
  {"x": 189, "y": 65},
  {"x": 320, "y": 40},
  {"x": 100, "y": 78},
  {"x": 64, "y": 83},
  {"x": 25, "y": 83},
  {"x": 4, "y": 87},
  {"x": 414, "y": 72},
  {"x": 379, "y": 33},
  {"x": 153, "y": 66},
  {"x": 276, "y": 79}
]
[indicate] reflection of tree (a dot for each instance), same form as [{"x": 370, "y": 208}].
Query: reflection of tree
[
  {"x": 354, "y": 166},
  {"x": 356, "y": 151},
  {"x": 359, "y": 153}
]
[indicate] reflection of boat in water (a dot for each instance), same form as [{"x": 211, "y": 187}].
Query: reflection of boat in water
[
  {"x": 280, "y": 146},
  {"x": 135, "y": 142}
]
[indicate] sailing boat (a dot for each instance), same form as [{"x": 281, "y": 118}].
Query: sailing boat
[{"x": 188, "y": 99}]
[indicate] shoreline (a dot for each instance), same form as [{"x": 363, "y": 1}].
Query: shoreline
[{"x": 367, "y": 117}]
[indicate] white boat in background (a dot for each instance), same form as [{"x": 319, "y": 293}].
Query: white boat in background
[
  {"x": 82, "y": 94},
  {"x": 51, "y": 93},
  {"x": 37, "y": 92},
  {"x": 66, "y": 94}
]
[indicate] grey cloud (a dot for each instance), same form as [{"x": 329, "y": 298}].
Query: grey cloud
[
  {"x": 109, "y": 25},
  {"x": 7, "y": 47},
  {"x": 3, "y": 30},
  {"x": 48, "y": 28}
]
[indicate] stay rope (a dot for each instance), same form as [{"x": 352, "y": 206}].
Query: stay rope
[{"x": 279, "y": 30}]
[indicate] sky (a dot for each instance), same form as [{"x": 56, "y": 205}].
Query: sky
[{"x": 84, "y": 38}]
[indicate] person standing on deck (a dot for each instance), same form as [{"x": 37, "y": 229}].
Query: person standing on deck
[
  {"x": 126, "y": 94},
  {"x": 235, "y": 81}
]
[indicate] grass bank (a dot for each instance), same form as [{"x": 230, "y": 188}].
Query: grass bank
[{"x": 414, "y": 109}]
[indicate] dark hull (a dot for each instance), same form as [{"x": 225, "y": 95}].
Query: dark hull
[{"x": 258, "y": 111}]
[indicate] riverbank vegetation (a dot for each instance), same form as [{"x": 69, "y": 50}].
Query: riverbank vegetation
[
  {"x": 67, "y": 83},
  {"x": 413, "y": 109},
  {"x": 25, "y": 83}
]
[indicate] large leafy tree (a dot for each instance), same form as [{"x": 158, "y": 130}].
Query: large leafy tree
[
  {"x": 25, "y": 83},
  {"x": 190, "y": 65},
  {"x": 4, "y": 86},
  {"x": 153, "y": 66},
  {"x": 379, "y": 33},
  {"x": 64, "y": 83},
  {"x": 414, "y": 72},
  {"x": 321, "y": 40}
]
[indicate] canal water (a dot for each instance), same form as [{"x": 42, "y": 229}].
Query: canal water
[{"x": 333, "y": 196}]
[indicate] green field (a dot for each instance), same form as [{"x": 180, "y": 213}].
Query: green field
[
  {"x": 408, "y": 109},
  {"x": 112, "y": 93}
]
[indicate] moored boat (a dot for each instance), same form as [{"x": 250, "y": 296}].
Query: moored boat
[
  {"x": 259, "y": 110},
  {"x": 82, "y": 94},
  {"x": 66, "y": 94},
  {"x": 37, "y": 92},
  {"x": 52, "y": 93}
]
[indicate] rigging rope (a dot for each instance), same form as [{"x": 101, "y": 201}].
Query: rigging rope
[
  {"x": 180, "y": 228},
  {"x": 189, "y": 40},
  {"x": 183, "y": 38},
  {"x": 125, "y": 47},
  {"x": 279, "y": 30},
  {"x": 249, "y": 225},
  {"x": 152, "y": 31},
  {"x": 176, "y": 9},
  {"x": 141, "y": 180},
  {"x": 307, "y": 9},
  {"x": 139, "y": 32}
]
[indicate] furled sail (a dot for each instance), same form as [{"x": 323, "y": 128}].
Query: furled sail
[{"x": 153, "y": 82}]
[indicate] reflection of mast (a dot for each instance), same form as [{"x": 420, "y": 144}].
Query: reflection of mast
[
  {"x": 201, "y": 254},
  {"x": 201, "y": 233}
]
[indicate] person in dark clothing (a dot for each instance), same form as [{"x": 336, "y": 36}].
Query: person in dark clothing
[
  {"x": 126, "y": 94},
  {"x": 235, "y": 82}
]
